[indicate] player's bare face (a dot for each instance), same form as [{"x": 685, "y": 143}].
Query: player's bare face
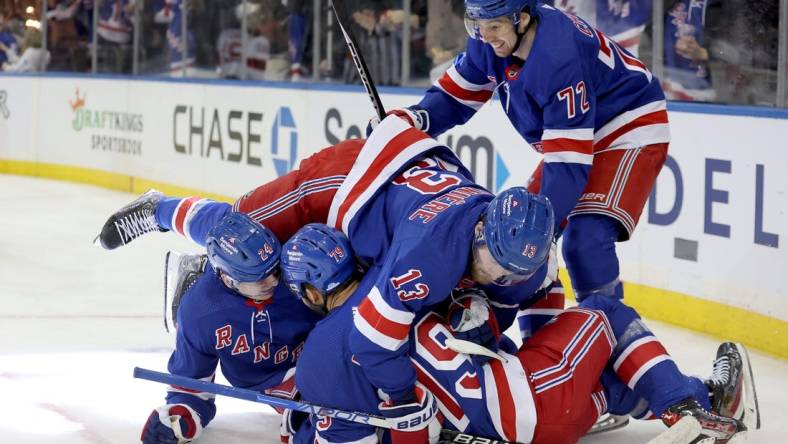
[
  {"x": 260, "y": 290},
  {"x": 484, "y": 268},
  {"x": 500, "y": 34}
]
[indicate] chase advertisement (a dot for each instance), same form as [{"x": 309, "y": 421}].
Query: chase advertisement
[{"x": 718, "y": 212}]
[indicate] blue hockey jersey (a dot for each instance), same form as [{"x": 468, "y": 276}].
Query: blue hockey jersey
[
  {"x": 414, "y": 220},
  {"x": 469, "y": 405},
  {"x": 256, "y": 344},
  {"x": 327, "y": 357},
  {"x": 576, "y": 94}
]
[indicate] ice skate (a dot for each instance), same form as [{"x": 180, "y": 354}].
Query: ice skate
[
  {"x": 732, "y": 386},
  {"x": 180, "y": 273},
  {"x": 131, "y": 221}
]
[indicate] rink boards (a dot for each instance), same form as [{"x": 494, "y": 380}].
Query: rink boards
[{"x": 709, "y": 252}]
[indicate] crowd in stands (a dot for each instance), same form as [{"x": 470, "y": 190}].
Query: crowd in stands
[{"x": 713, "y": 50}]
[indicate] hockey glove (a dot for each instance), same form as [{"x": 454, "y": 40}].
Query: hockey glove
[
  {"x": 412, "y": 115},
  {"x": 413, "y": 421},
  {"x": 472, "y": 319},
  {"x": 171, "y": 424}
]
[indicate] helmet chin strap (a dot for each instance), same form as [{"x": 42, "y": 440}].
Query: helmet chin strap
[{"x": 520, "y": 35}]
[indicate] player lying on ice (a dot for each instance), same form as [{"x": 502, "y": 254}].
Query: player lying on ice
[
  {"x": 232, "y": 310},
  {"x": 410, "y": 208},
  {"x": 589, "y": 359}
]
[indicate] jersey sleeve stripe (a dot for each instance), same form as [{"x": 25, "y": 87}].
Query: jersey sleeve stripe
[
  {"x": 190, "y": 215},
  {"x": 390, "y": 147},
  {"x": 469, "y": 94},
  {"x": 569, "y": 157},
  {"x": 374, "y": 335}
]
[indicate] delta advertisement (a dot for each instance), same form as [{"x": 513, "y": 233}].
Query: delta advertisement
[{"x": 715, "y": 228}]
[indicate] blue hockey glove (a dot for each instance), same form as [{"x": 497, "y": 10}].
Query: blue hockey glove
[
  {"x": 415, "y": 420},
  {"x": 171, "y": 424},
  {"x": 472, "y": 319},
  {"x": 412, "y": 115}
]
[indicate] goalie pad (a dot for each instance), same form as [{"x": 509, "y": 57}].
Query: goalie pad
[{"x": 180, "y": 273}]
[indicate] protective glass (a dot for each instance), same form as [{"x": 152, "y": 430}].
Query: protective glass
[
  {"x": 490, "y": 27},
  {"x": 488, "y": 266}
]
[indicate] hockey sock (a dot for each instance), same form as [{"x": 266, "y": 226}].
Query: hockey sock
[
  {"x": 589, "y": 249},
  {"x": 192, "y": 216},
  {"x": 641, "y": 362}
]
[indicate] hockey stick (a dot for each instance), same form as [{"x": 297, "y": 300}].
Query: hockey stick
[
  {"x": 358, "y": 58},
  {"x": 472, "y": 348},
  {"x": 447, "y": 436},
  {"x": 255, "y": 396}
]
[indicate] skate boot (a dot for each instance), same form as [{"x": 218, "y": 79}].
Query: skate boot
[
  {"x": 131, "y": 221},
  {"x": 713, "y": 428},
  {"x": 732, "y": 387},
  {"x": 180, "y": 273}
]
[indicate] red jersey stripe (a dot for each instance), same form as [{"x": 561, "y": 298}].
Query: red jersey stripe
[
  {"x": 382, "y": 324},
  {"x": 450, "y": 86},
  {"x": 395, "y": 146}
]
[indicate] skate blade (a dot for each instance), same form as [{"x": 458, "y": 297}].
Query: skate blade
[
  {"x": 682, "y": 432},
  {"x": 752, "y": 414},
  {"x": 739, "y": 438},
  {"x": 608, "y": 424}
]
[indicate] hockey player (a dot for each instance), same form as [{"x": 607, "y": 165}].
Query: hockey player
[
  {"x": 237, "y": 314},
  {"x": 547, "y": 391},
  {"x": 411, "y": 208},
  {"x": 595, "y": 112}
]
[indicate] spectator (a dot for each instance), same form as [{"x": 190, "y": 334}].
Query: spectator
[
  {"x": 298, "y": 31},
  {"x": 7, "y": 39},
  {"x": 33, "y": 59},
  {"x": 114, "y": 24},
  {"x": 446, "y": 34},
  {"x": 687, "y": 75},
  {"x": 80, "y": 11},
  {"x": 622, "y": 20}
]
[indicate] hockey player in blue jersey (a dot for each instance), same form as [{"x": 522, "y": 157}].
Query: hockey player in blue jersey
[
  {"x": 593, "y": 110},
  {"x": 236, "y": 314},
  {"x": 547, "y": 391}
]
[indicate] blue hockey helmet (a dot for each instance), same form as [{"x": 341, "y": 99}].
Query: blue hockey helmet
[
  {"x": 518, "y": 230},
  {"x": 490, "y": 9},
  {"x": 317, "y": 255},
  {"x": 243, "y": 249},
  {"x": 476, "y": 10}
]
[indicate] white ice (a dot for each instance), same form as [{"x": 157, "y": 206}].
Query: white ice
[{"x": 75, "y": 320}]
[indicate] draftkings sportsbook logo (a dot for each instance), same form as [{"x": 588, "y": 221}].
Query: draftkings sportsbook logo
[{"x": 109, "y": 130}]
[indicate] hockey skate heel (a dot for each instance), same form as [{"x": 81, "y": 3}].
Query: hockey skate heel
[
  {"x": 131, "y": 221},
  {"x": 732, "y": 385}
]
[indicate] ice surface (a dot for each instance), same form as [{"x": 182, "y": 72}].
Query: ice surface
[{"x": 75, "y": 320}]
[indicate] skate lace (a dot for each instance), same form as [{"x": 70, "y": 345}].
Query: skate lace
[
  {"x": 136, "y": 224},
  {"x": 721, "y": 372}
]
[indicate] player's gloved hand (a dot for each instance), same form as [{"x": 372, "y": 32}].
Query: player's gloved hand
[
  {"x": 415, "y": 420},
  {"x": 471, "y": 319},
  {"x": 171, "y": 424},
  {"x": 412, "y": 115},
  {"x": 292, "y": 423}
]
